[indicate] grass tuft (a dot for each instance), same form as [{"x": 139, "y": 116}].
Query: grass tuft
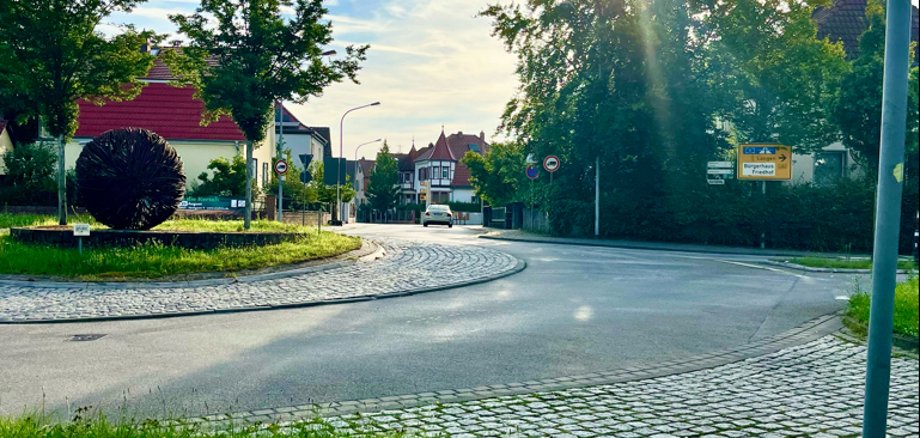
[
  {"x": 905, "y": 309},
  {"x": 841, "y": 263}
]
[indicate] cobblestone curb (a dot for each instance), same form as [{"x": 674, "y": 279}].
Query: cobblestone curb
[
  {"x": 807, "y": 332},
  {"x": 408, "y": 268}
]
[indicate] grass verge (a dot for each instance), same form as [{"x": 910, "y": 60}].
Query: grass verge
[
  {"x": 838, "y": 263},
  {"x": 145, "y": 262},
  {"x": 101, "y": 427},
  {"x": 905, "y": 309}
]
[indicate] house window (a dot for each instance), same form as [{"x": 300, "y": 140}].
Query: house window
[
  {"x": 423, "y": 174},
  {"x": 445, "y": 172},
  {"x": 435, "y": 171},
  {"x": 829, "y": 167},
  {"x": 264, "y": 174},
  {"x": 254, "y": 169}
]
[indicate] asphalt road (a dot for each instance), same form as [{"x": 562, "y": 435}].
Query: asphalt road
[{"x": 573, "y": 310}]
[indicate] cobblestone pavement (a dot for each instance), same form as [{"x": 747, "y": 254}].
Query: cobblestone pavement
[
  {"x": 814, "y": 389},
  {"x": 407, "y": 268}
]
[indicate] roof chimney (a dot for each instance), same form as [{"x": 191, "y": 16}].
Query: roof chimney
[{"x": 482, "y": 136}]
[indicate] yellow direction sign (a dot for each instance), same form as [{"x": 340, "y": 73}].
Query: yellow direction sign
[{"x": 764, "y": 162}]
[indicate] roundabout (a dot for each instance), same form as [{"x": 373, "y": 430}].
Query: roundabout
[{"x": 404, "y": 268}]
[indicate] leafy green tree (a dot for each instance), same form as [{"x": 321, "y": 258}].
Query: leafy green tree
[
  {"x": 776, "y": 78},
  {"x": 52, "y": 55},
  {"x": 383, "y": 187},
  {"x": 622, "y": 84},
  {"x": 498, "y": 176},
  {"x": 324, "y": 193},
  {"x": 245, "y": 55},
  {"x": 857, "y": 109},
  {"x": 227, "y": 178}
]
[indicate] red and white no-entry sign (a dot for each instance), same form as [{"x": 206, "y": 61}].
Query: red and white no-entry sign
[
  {"x": 551, "y": 163},
  {"x": 281, "y": 167}
]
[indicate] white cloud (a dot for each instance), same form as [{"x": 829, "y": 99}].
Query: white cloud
[{"x": 431, "y": 62}]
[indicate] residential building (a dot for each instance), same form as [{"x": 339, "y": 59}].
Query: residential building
[
  {"x": 430, "y": 175},
  {"x": 844, "y": 21},
  {"x": 300, "y": 138},
  {"x": 175, "y": 114}
]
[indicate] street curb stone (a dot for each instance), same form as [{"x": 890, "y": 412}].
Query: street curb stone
[
  {"x": 809, "y": 331},
  {"x": 519, "y": 266}
]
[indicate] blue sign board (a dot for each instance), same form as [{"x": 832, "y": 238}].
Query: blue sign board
[
  {"x": 759, "y": 150},
  {"x": 532, "y": 172}
]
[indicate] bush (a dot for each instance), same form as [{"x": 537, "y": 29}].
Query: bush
[
  {"x": 468, "y": 207},
  {"x": 30, "y": 176},
  {"x": 836, "y": 218}
]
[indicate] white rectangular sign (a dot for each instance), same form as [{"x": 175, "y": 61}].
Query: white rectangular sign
[
  {"x": 758, "y": 169},
  {"x": 81, "y": 230},
  {"x": 720, "y": 171},
  {"x": 716, "y": 182},
  {"x": 720, "y": 165}
]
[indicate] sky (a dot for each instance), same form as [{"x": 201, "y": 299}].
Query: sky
[{"x": 431, "y": 63}]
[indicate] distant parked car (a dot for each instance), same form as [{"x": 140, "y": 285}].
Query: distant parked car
[{"x": 438, "y": 214}]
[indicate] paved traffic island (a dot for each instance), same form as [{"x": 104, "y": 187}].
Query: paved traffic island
[{"x": 405, "y": 269}]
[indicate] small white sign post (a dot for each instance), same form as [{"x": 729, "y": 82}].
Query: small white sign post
[{"x": 80, "y": 231}]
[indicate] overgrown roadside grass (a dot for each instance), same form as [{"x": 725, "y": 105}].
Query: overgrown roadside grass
[
  {"x": 101, "y": 427},
  {"x": 146, "y": 262},
  {"x": 839, "y": 263},
  {"x": 905, "y": 309}
]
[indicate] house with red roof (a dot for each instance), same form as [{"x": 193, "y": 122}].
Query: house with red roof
[
  {"x": 175, "y": 114},
  {"x": 439, "y": 176}
]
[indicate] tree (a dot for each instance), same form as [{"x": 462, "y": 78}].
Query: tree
[
  {"x": 245, "y": 55},
  {"x": 619, "y": 83},
  {"x": 326, "y": 194},
  {"x": 227, "y": 178},
  {"x": 776, "y": 78},
  {"x": 51, "y": 56},
  {"x": 857, "y": 108},
  {"x": 383, "y": 188},
  {"x": 498, "y": 176}
]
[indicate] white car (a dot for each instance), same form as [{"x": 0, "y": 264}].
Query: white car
[{"x": 438, "y": 214}]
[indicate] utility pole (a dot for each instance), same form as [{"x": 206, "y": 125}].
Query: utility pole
[
  {"x": 280, "y": 119},
  {"x": 597, "y": 196},
  {"x": 887, "y": 218}
]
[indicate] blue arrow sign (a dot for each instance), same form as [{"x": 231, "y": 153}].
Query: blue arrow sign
[{"x": 532, "y": 172}]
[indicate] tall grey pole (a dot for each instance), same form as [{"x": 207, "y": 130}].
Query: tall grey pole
[
  {"x": 887, "y": 217},
  {"x": 62, "y": 183},
  {"x": 597, "y": 196},
  {"x": 341, "y": 170},
  {"x": 280, "y": 119},
  {"x": 763, "y": 228},
  {"x": 247, "y": 215}
]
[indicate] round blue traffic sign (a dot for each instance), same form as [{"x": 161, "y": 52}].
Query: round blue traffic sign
[{"x": 532, "y": 172}]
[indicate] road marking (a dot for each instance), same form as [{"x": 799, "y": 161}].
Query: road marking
[
  {"x": 767, "y": 268},
  {"x": 842, "y": 298}
]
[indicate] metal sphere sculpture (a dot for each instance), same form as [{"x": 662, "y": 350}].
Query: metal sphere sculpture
[{"x": 130, "y": 178}]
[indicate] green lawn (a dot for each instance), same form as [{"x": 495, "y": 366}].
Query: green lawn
[
  {"x": 905, "y": 309},
  {"x": 100, "y": 427},
  {"x": 158, "y": 261},
  {"x": 838, "y": 263}
]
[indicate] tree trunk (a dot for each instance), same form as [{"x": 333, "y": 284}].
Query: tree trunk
[
  {"x": 62, "y": 183},
  {"x": 247, "y": 218}
]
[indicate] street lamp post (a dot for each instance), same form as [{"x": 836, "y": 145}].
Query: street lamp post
[
  {"x": 356, "y": 170},
  {"x": 340, "y": 170}
]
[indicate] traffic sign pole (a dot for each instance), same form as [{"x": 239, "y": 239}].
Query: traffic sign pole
[
  {"x": 597, "y": 196},
  {"x": 887, "y": 218}
]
